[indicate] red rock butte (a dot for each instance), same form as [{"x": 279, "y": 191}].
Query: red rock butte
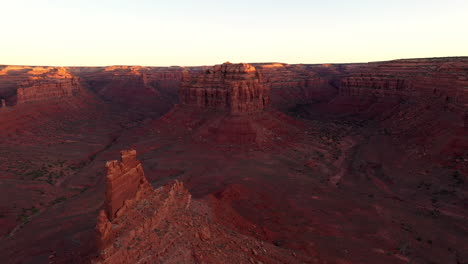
[{"x": 235, "y": 88}]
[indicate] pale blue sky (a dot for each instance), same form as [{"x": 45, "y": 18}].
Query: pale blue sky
[{"x": 206, "y": 32}]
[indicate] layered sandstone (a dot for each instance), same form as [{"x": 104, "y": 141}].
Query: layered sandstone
[
  {"x": 235, "y": 88},
  {"x": 24, "y": 84},
  {"x": 410, "y": 79},
  {"x": 297, "y": 84},
  {"x": 35, "y": 91}
]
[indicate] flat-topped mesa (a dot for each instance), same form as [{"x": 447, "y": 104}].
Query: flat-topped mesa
[
  {"x": 47, "y": 84},
  {"x": 123, "y": 181},
  {"x": 410, "y": 79},
  {"x": 235, "y": 88}
]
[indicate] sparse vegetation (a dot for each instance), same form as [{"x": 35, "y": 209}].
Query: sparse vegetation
[
  {"x": 26, "y": 214},
  {"x": 58, "y": 200}
]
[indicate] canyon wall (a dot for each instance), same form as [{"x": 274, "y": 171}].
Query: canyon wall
[
  {"x": 35, "y": 90},
  {"x": 298, "y": 84},
  {"x": 235, "y": 88},
  {"x": 410, "y": 79},
  {"x": 144, "y": 89},
  {"x": 438, "y": 81}
]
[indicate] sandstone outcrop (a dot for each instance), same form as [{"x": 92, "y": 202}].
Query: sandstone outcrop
[
  {"x": 123, "y": 181},
  {"x": 164, "y": 225},
  {"x": 235, "y": 88}
]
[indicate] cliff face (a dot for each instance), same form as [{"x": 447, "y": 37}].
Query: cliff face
[
  {"x": 36, "y": 91},
  {"x": 235, "y": 88}
]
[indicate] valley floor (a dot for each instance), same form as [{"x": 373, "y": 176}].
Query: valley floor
[{"x": 370, "y": 187}]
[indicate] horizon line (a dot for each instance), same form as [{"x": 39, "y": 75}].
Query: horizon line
[{"x": 207, "y": 65}]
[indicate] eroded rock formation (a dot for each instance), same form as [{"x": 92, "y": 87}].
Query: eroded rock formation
[
  {"x": 48, "y": 84},
  {"x": 24, "y": 84},
  {"x": 133, "y": 209},
  {"x": 123, "y": 180},
  {"x": 164, "y": 225},
  {"x": 236, "y": 88}
]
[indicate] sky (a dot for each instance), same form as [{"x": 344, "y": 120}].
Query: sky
[{"x": 207, "y": 32}]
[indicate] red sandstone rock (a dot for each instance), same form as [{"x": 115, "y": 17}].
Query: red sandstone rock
[
  {"x": 164, "y": 225},
  {"x": 48, "y": 84},
  {"x": 297, "y": 84},
  {"x": 123, "y": 181},
  {"x": 410, "y": 79},
  {"x": 42, "y": 91},
  {"x": 419, "y": 144},
  {"x": 24, "y": 84},
  {"x": 236, "y": 88}
]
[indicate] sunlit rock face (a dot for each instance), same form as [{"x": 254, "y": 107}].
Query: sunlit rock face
[
  {"x": 25, "y": 84},
  {"x": 235, "y": 88}
]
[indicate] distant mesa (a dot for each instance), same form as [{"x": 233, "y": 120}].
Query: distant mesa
[{"x": 234, "y": 88}]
